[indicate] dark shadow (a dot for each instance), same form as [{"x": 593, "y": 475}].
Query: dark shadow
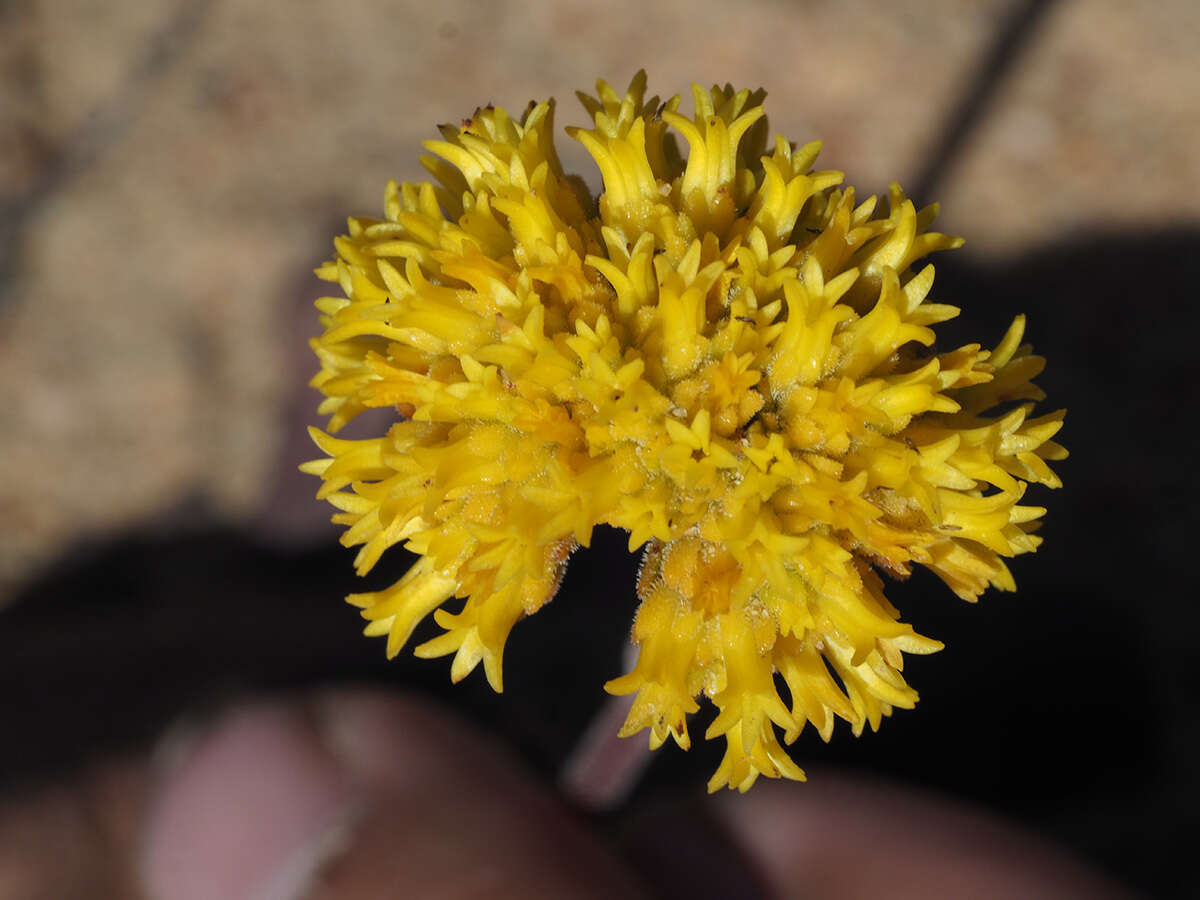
[{"x": 121, "y": 637}]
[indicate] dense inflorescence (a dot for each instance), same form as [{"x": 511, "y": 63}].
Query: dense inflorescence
[{"x": 727, "y": 355}]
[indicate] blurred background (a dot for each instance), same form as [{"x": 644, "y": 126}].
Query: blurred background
[{"x": 172, "y": 170}]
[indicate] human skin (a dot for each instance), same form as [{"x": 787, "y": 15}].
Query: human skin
[{"x": 356, "y": 793}]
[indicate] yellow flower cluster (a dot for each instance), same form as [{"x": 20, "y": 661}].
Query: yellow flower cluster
[{"x": 727, "y": 355}]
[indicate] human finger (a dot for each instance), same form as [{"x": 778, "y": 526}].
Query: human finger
[
  {"x": 849, "y": 838},
  {"x": 360, "y": 794}
]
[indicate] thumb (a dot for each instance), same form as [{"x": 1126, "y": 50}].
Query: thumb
[{"x": 361, "y": 794}]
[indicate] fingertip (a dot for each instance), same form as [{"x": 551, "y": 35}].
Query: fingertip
[
  {"x": 455, "y": 815},
  {"x": 247, "y": 811},
  {"x": 361, "y": 793},
  {"x": 847, "y": 837},
  {"x": 392, "y": 739}
]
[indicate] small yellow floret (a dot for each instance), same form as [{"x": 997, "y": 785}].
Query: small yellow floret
[{"x": 726, "y": 354}]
